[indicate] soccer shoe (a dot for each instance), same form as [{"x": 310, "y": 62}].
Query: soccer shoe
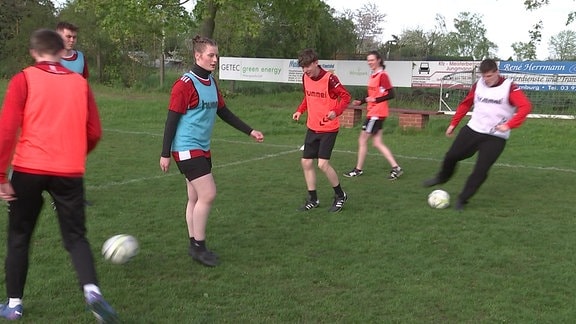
[
  {"x": 459, "y": 206},
  {"x": 432, "y": 182},
  {"x": 10, "y": 313},
  {"x": 395, "y": 173},
  {"x": 103, "y": 312},
  {"x": 338, "y": 203},
  {"x": 353, "y": 173},
  {"x": 309, "y": 204},
  {"x": 206, "y": 257}
]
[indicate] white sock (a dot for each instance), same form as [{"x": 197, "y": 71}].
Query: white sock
[
  {"x": 89, "y": 288},
  {"x": 13, "y": 302}
]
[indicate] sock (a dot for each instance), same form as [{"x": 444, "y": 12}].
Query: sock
[
  {"x": 198, "y": 245},
  {"x": 313, "y": 195},
  {"x": 89, "y": 288},
  {"x": 13, "y": 302},
  {"x": 338, "y": 190}
]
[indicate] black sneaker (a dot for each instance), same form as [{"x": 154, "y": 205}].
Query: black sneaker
[
  {"x": 309, "y": 204},
  {"x": 338, "y": 203},
  {"x": 432, "y": 182},
  {"x": 353, "y": 173},
  {"x": 206, "y": 257},
  {"x": 395, "y": 173},
  {"x": 459, "y": 206}
]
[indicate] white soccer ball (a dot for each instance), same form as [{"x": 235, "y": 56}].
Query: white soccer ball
[
  {"x": 120, "y": 248},
  {"x": 439, "y": 199}
]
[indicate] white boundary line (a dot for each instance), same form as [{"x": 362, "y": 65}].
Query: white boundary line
[
  {"x": 269, "y": 156},
  {"x": 121, "y": 183}
]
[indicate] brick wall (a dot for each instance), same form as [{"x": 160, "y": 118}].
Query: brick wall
[
  {"x": 418, "y": 121},
  {"x": 351, "y": 117}
]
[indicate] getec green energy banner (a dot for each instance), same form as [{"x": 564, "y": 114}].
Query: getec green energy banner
[{"x": 287, "y": 70}]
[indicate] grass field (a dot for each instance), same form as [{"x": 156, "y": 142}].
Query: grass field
[{"x": 386, "y": 258}]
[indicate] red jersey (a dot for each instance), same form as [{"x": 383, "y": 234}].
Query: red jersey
[
  {"x": 56, "y": 114},
  {"x": 378, "y": 86},
  {"x": 336, "y": 99}
]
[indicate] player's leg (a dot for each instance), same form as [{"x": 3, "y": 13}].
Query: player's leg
[
  {"x": 203, "y": 189},
  {"x": 488, "y": 152},
  {"x": 464, "y": 146},
  {"x": 201, "y": 192},
  {"x": 69, "y": 202},
  {"x": 68, "y": 196},
  {"x": 22, "y": 217},
  {"x": 362, "y": 150},
  {"x": 395, "y": 171},
  {"x": 327, "y": 142},
  {"x": 310, "y": 152}
]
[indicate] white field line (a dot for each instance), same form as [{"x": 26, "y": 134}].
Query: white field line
[{"x": 294, "y": 150}]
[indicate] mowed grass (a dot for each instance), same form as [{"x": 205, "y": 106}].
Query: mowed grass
[{"x": 386, "y": 258}]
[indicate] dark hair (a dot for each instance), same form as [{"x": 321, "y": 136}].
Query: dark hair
[
  {"x": 378, "y": 57},
  {"x": 199, "y": 43},
  {"x": 66, "y": 25},
  {"x": 46, "y": 41},
  {"x": 488, "y": 65},
  {"x": 307, "y": 57}
]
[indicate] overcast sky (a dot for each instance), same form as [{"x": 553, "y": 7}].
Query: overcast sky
[{"x": 506, "y": 21}]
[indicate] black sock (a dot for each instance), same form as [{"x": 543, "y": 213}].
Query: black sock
[
  {"x": 338, "y": 190},
  {"x": 312, "y": 195},
  {"x": 198, "y": 245}
]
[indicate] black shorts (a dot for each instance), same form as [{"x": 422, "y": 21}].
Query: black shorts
[
  {"x": 373, "y": 124},
  {"x": 195, "y": 167},
  {"x": 318, "y": 145}
]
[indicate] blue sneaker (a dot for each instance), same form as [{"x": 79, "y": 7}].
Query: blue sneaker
[
  {"x": 10, "y": 313},
  {"x": 103, "y": 312}
]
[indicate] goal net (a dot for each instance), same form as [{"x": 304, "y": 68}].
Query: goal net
[{"x": 552, "y": 95}]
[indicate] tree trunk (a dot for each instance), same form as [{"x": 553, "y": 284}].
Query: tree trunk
[{"x": 209, "y": 21}]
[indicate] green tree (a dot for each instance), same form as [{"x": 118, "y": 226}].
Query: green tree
[
  {"x": 470, "y": 38},
  {"x": 367, "y": 26},
  {"x": 18, "y": 19},
  {"x": 524, "y": 51},
  {"x": 131, "y": 26},
  {"x": 273, "y": 28},
  {"x": 562, "y": 46}
]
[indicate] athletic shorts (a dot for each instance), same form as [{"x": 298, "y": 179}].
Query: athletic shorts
[
  {"x": 195, "y": 167},
  {"x": 373, "y": 124},
  {"x": 318, "y": 145}
]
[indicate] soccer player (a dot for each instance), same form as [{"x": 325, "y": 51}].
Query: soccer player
[
  {"x": 73, "y": 59},
  {"x": 49, "y": 123},
  {"x": 194, "y": 103},
  {"x": 380, "y": 90},
  {"x": 499, "y": 106},
  {"x": 325, "y": 98}
]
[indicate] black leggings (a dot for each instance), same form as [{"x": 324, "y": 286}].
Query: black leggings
[
  {"x": 68, "y": 196},
  {"x": 466, "y": 144}
]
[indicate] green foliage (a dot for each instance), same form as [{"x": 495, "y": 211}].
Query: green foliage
[
  {"x": 524, "y": 51},
  {"x": 470, "y": 38},
  {"x": 18, "y": 19},
  {"x": 562, "y": 46},
  {"x": 111, "y": 30}
]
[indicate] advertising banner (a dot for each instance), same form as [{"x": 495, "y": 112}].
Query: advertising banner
[{"x": 530, "y": 75}]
